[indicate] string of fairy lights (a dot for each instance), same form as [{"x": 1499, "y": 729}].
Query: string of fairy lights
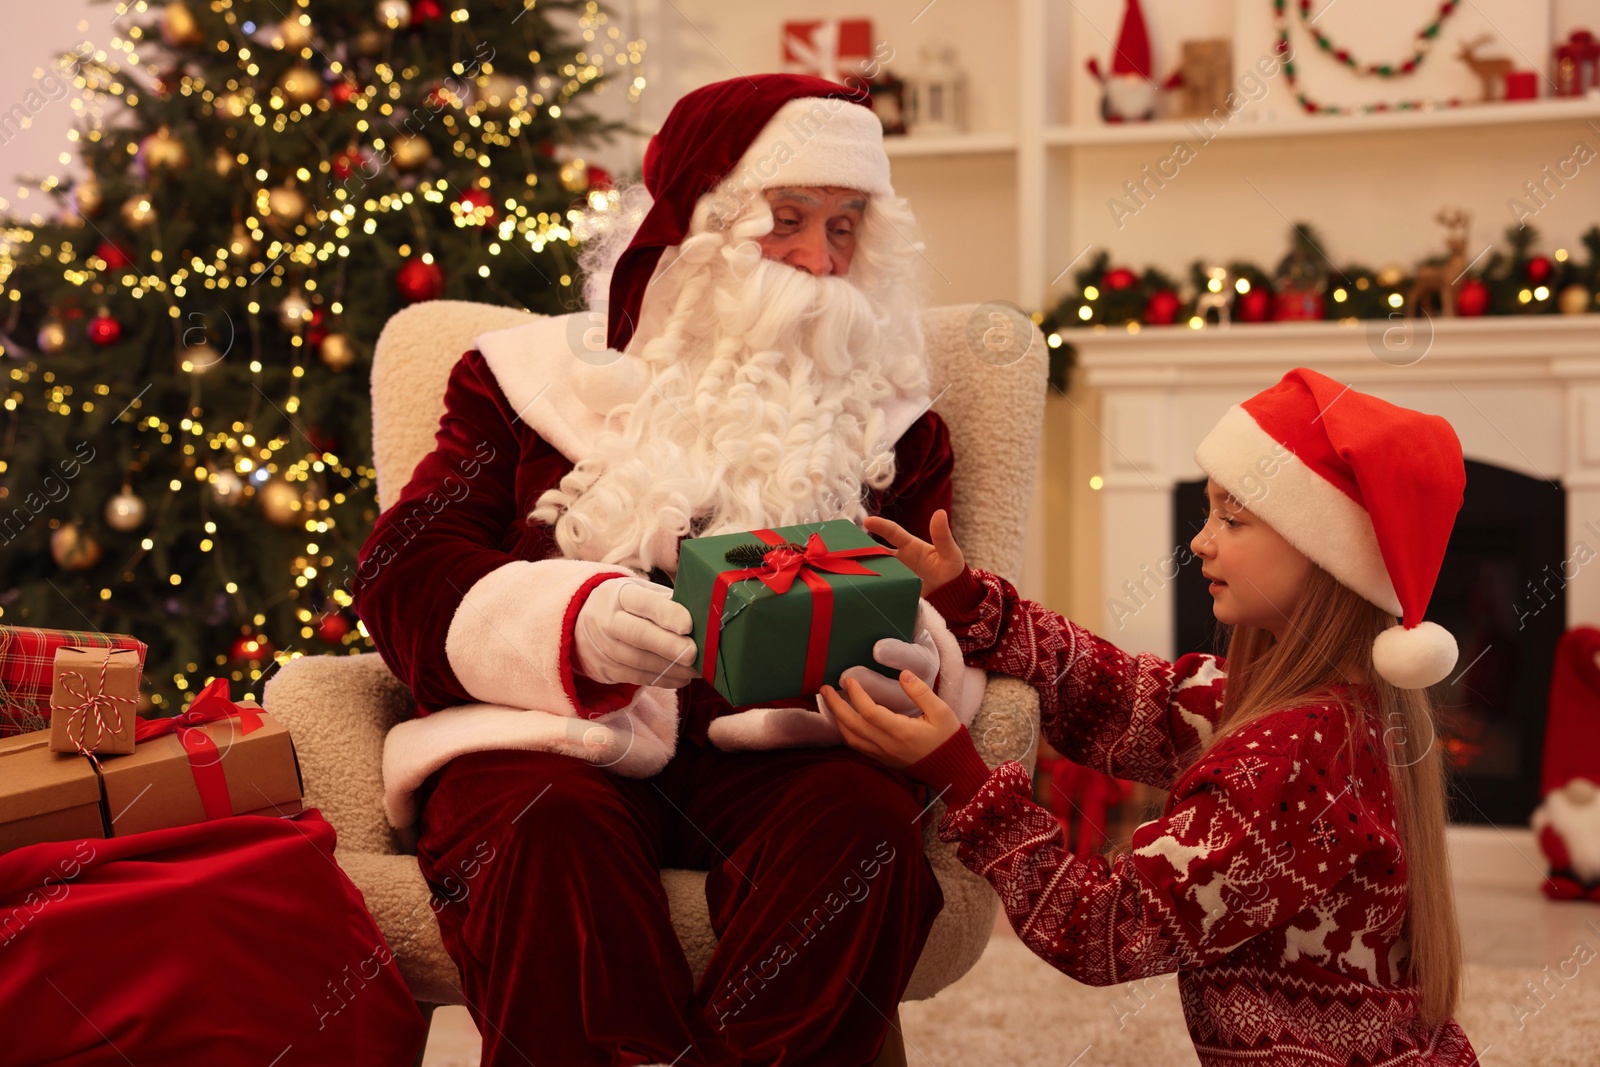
[{"x": 284, "y": 245}]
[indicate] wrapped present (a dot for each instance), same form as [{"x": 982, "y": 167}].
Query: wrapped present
[
  {"x": 45, "y": 796},
  {"x": 778, "y": 613},
  {"x": 94, "y": 699},
  {"x": 27, "y": 671},
  {"x": 835, "y": 49},
  {"x": 216, "y": 759}
]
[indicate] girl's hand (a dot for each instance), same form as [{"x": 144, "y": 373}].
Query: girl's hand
[
  {"x": 935, "y": 564},
  {"x": 885, "y": 735}
]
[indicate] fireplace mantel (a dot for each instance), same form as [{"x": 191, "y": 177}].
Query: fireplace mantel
[{"x": 1522, "y": 393}]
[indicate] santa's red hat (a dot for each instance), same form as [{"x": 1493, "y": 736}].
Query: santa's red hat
[
  {"x": 765, "y": 130},
  {"x": 1366, "y": 489}
]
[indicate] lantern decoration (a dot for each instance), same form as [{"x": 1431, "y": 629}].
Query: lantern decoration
[
  {"x": 1577, "y": 64},
  {"x": 936, "y": 102}
]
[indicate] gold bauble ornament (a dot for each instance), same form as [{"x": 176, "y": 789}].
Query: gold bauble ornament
[
  {"x": 1391, "y": 275},
  {"x": 368, "y": 42},
  {"x": 337, "y": 351},
  {"x": 295, "y": 311},
  {"x": 137, "y": 211},
  {"x": 88, "y": 196},
  {"x": 125, "y": 511},
  {"x": 575, "y": 175},
  {"x": 52, "y": 335},
  {"x": 223, "y": 162},
  {"x": 498, "y": 92},
  {"x": 73, "y": 548},
  {"x": 241, "y": 245},
  {"x": 198, "y": 358},
  {"x": 178, "y": 26},
  {"x": 1574, "y": 299},
  {"x": 280, "y": 502},
  {"x": 162, "y": 151},
  {"x": 292, "y": 34},
  {"x": 410, "y": 151},
  {"x": 301, "y": 85},
  {"x": 286, "y": 206},
  {"x": 226, "y": 486},
  {"x": 233, "y": 105},
  {"x": 394, "y": 13}
]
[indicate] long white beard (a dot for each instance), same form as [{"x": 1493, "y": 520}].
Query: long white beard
[{"x": 765, "y": 409}]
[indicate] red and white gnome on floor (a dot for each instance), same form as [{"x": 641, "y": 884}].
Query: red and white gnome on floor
[{"x": 1568, "y": 819}]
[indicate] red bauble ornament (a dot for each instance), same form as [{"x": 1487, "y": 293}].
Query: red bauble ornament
[
  {"x": 104, "y": 330},
  {"x": 321, "y": 440},
  {"x": 1119, "y": 278},
  {"x": 114, "y": 256},
  {"x": 1162, "y": 308},
  {"x": 315, "y": 330},
  {"x": 1254, "y": 306},
  {"x": 419, "y": 281},
  {"x": 1539, "y": 269},
  {"x": 476, "y": 205},
  {"x": 250, "y": 648},
  {"x": 1472, "y": 299},
  {"x": 600, "y": 178},
  {"x": 425, "y": 11},
  {"x": 345, "y": 163},
  {"x": 343, "y": 91},
  {"x": 332, "y": 627}
]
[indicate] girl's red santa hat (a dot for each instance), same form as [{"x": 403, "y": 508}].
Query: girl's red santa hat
[
  {"x": 766, "y": 130},
  {"x": 1366, "y": 489}
]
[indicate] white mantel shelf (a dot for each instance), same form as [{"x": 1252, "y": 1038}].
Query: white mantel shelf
[{"x": 1522, "y": 393}]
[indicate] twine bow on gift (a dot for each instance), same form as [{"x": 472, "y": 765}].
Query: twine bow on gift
[
  {"x": 89, "y": 707},
  {"x": 780, "y": 565},
  {"x": 211, "y": 704}
]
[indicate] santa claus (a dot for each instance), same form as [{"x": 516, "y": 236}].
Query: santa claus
[{"x": 751, "y": 357}]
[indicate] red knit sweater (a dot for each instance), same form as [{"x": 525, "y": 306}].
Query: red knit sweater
[{"x": 1273, "y": 882}]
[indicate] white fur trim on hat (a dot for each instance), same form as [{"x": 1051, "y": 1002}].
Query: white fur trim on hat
[
  {"x": 815, "y": 140},
  {"x": 1309, "y": 512},
  {"x": 1414, "y": 658}
]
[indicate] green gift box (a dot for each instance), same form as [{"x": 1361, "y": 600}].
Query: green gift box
[{"x": 793, "y": 607}]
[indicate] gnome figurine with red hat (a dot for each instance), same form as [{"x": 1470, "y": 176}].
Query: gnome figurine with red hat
[
  {"x": 1568, "y": 819},
  {"x": 1129, "y": 93}
]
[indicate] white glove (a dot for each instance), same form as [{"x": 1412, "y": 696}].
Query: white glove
[
  {"x": 631, "y": 630},
  {"x": 921, "y": 659}
]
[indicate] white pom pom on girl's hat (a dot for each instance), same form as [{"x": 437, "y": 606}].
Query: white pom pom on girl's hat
[{"x": 1366, "y": 489}]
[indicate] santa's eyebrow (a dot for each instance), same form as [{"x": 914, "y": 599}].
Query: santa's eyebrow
[{"x": 801, "y": 197}]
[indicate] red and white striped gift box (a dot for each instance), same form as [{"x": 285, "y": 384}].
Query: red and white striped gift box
[{"x": 27, "y": 660}]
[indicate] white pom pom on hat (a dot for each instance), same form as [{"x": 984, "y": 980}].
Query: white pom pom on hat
[{"x": 1366, "y": 489}]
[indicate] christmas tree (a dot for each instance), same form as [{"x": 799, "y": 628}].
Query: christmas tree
[{"x": 187, "y": 443}]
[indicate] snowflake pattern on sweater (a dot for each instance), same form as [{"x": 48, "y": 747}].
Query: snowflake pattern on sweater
[{"x": 1273, "y": 882}]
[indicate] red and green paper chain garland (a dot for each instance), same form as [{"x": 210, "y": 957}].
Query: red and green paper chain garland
[{"x": 1424, "y": 42}]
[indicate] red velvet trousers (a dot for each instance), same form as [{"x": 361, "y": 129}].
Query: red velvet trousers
[{"x": 546, "y": 872}]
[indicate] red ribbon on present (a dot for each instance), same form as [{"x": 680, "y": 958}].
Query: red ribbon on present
[
  {"x": 779, "y": 568},
  {"x": 211, "y": 704}
]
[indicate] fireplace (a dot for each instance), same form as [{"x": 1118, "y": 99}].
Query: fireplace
[
  {"x": 1523, "y": 396},
  {"x": 1505, "y": 603}
]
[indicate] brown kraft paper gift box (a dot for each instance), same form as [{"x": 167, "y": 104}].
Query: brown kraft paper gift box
[
  {"x": 155, "y": 787},
  {"x": 45, "y": 796},
  {"x": 94, "y": 696}
]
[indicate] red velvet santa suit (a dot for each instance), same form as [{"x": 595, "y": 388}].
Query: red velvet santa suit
[{"x": 581, "y": 792}]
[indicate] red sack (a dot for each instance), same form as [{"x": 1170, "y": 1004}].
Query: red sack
[{"x": 237, "y": 941}]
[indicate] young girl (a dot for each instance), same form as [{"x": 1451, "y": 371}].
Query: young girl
[{"x": 1297, "y": 879}]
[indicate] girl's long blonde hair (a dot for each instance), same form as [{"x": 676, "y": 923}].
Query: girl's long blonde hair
[{"x": 1327, "y": 638}]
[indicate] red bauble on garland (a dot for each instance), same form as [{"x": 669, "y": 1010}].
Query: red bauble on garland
[
  {"x": 114, "y": 256},
  {"x": 104, "y": 330},
  {"x": 1539, "y": 269},
  {"x": 332, "y": 627},
  {"x": 475, "y": 206},
  {"x": 425, "y": 11},
  {"x": 1119, "y": 278},
  {"x": 1162, "y": 308},
  {"x": 419, "y": 281},
  {"x": 1254, "y": 306},
  {"x": 1472, "y": 299}
]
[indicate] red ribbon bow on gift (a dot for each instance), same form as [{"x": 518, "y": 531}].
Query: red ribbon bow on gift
[
  {"x": 211, "y": 704},
  {"x": 780, "y": 567}
]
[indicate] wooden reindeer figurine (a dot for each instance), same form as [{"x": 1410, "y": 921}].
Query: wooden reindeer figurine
[
  {"x": 1491, "y": 70},
  {"x": 1443, "y": 279}
]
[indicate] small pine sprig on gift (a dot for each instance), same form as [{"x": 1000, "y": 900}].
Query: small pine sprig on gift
[{"x": 756, "y": 555}]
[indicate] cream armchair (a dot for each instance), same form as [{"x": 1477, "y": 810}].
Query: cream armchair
[{"x": 340, "y": 707}]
